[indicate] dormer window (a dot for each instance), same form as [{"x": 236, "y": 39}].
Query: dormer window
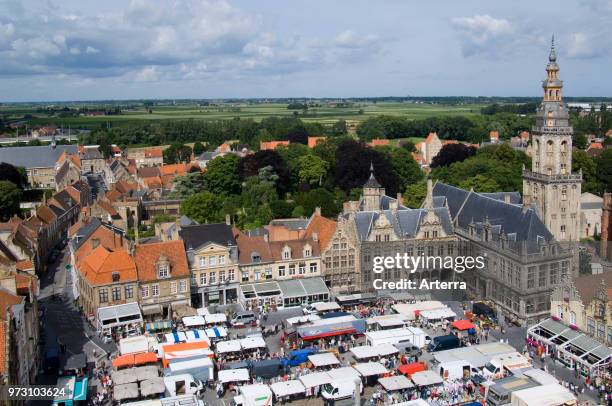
[
  {"x": 163, "y": 267},
  {"x": 307, "y": 251},
  {"x": 286, "y": 253},
  {"x": 255, "y": 257}
]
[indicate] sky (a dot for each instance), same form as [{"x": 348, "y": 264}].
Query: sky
[{"x": 177, "y": 49}]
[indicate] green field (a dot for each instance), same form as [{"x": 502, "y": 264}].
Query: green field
[{"x": 256, "y": 111}]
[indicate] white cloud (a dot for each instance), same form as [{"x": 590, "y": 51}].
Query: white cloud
[
  {"x": 482, "y": 33},
  {"x": 148, "y": 74},
  {"x": 91, "y": 50}
]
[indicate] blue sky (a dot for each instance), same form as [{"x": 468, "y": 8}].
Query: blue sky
[{"x": 75, "y": 50}]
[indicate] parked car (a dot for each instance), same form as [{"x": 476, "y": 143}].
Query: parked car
[{"x": 408, "y": 348}]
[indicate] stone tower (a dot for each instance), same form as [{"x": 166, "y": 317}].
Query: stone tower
[
  {"x": 372, "y": 191},
  {"x": 550, "y": 185}
]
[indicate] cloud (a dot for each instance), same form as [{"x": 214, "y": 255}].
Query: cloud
[
  {"x": 148, "y": 74},
  {"x": 350, "y": 39},
  {"x": 482, "y": 34}
]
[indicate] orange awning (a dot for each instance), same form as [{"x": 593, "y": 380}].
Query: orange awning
[
  {"x": 123, "y": 361},
  {"x": 130, "y": 360},
  {"x": 409, "y": 369},
  {"x": 185, "y": 350},
  {"x": 462, "y": 325},
  {"x": 145, "y": 358}
]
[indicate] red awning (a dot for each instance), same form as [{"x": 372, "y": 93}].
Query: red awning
[
  {"x": 123, "y": 361},
  {"x": 409, "y": 369},
  {"x": 462, "y": 325},
  {"x": 145, "y": 358},
  {"x": 130, "y": 360}
]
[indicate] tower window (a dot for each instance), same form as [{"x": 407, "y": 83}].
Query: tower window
[
  {"x": 564, "y": 194},
  {"x": 563, "y": 231}
]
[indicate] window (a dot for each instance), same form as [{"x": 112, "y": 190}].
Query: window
[
  {"x": 213, "y": 277},
  {"x": 221, "y": 276},
  {"x": 162, "y": 271},
  {"x": 173, "y": 288},
  {"x": 281, "y": 270},
  {"x": 183, "y": 286},
  {"x": 221, "y": 259},
  {"x": 430, "y": 251},
  {"x": 268, "y": 273},
  {"x": 564, "y": 194},
  {"x": 116, "y": 293},
  {"x": 302, "y": 268},
  {"x": 386, "y": 237},
  {"x": 609, "y": 335},
  {"x": 286, "y": 253},
  {"x": 129, "y": 292},
  {"x": 573, "y": 318},
  {"x": 591, "y": 326},
  {"x": 292, "y": 269},
  {"x": 377, "y": 237},
  {"x": 313, "y": 267},
  {"x": 203, "y": 278},
  {"x": 531, "y": 271},
  {"x": 563, "y": 231},
  {"x": 420, "y": 251},
  {"x": 307, "y": 252},
  {"x": 212, "y": 261},
  {"x": 554, "y": 273},
  {"x": 144, "y": 291},
  {"x": 601, "y": 331},
  {"x": 155, "y": 290},
  {"x": 202, "y": 262},
  {"x": 194, "y": 279},
  {"x": 103, "y": 295},
  {"x": 542, "y": 276},
  {"x": 231, "y": 275}
]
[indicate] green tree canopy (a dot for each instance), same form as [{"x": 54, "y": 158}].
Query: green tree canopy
[
  {"x": 312, "y": 169},
  {"x": 177, "y": 153},
  {"x": 405, "y": 166},
  {"x": 10, "y": 196},
  {"x": 203, "y": 207},
  {"x": 221, "y": 176}
]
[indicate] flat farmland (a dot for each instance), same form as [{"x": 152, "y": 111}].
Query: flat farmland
[{"x": 324, "y": 113}]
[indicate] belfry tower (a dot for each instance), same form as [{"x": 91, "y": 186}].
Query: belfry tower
[{"x": 550, "y": 185}]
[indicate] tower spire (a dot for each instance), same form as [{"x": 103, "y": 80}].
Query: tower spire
[{"x": 552, "y": 57}]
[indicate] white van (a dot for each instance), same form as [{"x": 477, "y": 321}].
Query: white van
[
  {"x": 452, "y": 370},
  {"x": 340, "y": 389},
  {"x": 183, "y": 384}
]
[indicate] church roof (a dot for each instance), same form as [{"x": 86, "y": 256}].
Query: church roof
[{"x": 372, "y": 182}]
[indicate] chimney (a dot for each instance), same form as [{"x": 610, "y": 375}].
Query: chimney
[
  {"x": 265, "y": 237},
  {"x": 525, "y": 207},
  {"x": 393, "y": 206},
  {"x": 429, "y": 196},
  {"x": 95, "y": 242},
  {"x": 400, "y": 199},
  {"x": 507, "y": 198},
  {"x": 315, "y": 236},
  {"x": 228, "y": 220},
  {"x": 317, "y": 211}
]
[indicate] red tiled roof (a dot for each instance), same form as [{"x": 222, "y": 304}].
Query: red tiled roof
[
  {"x": 25, "y": 265},
  {"x": 8, "y": 299},
  {"x": 378, "y": 142},
  {"x": 324, "y": 227},
  {"x": 147, "y": 255},
  {"x": 98, "y": 267},
  {"x": 153, "y": 153},
  {"x": 313, "y": 141},
  {"x": 431, "y": 137},
  {"x": 271, "y": 145}
]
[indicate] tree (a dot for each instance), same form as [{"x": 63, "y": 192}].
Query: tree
[
  {"x": 312, "y": 169},
  {"x": 480, "y": 183},
  {"x": 451, "y": 153},
  {"x": 582, "y": 162},
  {"x": 339, "y": 128},
  {"x": 353, "y": 160},
  {"x": 203, "y": 207},
  {"x": 322, "y": 198},
  {"x": 415, "y": 194},
  {"x": 12, "y": 174},
  {"x": 177, "y": 153},
  {"x": 10, "y": 196},
  {"x": 198, "y": 148},
  {"x": 190, "y": 184},
  {"x": 604, "y": 170},
  {"x": 281, "y": 209},
  {"x": 405, "y": 166},
  {"x": 221, "y": 175},
  {"x": 105, "y": 148},
  {"x": 249, "y": 166},
  {"x": 580, "y": 141}
]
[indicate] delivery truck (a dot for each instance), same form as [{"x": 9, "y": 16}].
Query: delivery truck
[
  {"x": 447, "y": 342},
  {"x": 500, "y": 392},
  {"x": 551, "y": 394},
  {"x": 331, "y": 327},
  {"x": 414, "y": 335},
  {"x": 253, "y": 395},
  {"x": 453, "y": 370},
  {"x": 505, "y": 364},
  {"x": 183, "y": 384}
]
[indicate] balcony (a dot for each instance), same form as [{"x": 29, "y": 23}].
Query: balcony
[{"x": 574, "y": 177}]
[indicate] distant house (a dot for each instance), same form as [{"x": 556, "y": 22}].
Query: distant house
[
  {"x": 39, "y": 162},
  {"x": 313, "y": 141},
  {"x": 378, "y": 142},
  {"x": 429, "y": 148},
  {"x": 272, "y": 145},
  {"x": 595, "y": 149}
]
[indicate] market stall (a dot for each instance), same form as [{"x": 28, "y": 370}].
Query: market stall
[
  {"x": 233, "y": 375},
  {"x": 325, "y": 359}
]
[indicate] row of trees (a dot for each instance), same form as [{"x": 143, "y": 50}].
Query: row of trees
[
  {"x": 292, "y": 181},
  {"x": 12, "y": 182}
]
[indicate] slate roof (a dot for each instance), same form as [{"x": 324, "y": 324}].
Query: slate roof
[
  {"x": 515, "y": 197},
  {"x": 79, "y": 236},
  {"x": 197, "y": 235},
  {"x": 406, "y": 222},
  {"x": 476, "y": 208},
  {"x": 35, "y": 157},
  {"x": 372, "y": 182},
  {"x": 591, "y": 205}
]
